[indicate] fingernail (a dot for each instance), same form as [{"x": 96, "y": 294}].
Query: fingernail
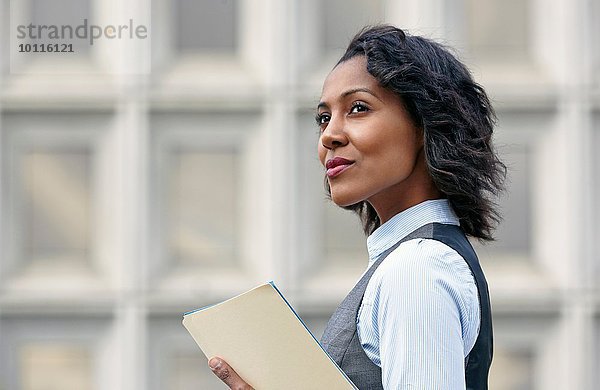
[{"x": 214, "y": 363}]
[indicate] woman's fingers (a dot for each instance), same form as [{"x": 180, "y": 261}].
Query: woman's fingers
[{"x": 221, "y": 369}]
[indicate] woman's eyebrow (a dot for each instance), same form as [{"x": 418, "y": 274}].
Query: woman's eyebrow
[
  {"x": 350, "y": 92},
  {"x": 360, "y": 89},
  {"x": 322, "y": 105}
]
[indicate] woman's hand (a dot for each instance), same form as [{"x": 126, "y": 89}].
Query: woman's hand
[{"x": 225, "y": 373}]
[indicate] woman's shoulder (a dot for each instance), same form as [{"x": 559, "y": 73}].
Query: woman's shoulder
[
  {"x": 423, "y": 263},
  {"x": 423, "y": 254}
]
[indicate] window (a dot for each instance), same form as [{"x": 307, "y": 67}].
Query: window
[
  {"x": 55, "y": 366},
  {"x": 62, "y": 12},
  {"x": 498, "y": 31},
  {"x": 514, "y": 231},
  {"x": 341, "y": 20},
  {"x": 57, "y": 201},
  {"x": 206, "y": 25},
  {"x": 201, "y": 207}
]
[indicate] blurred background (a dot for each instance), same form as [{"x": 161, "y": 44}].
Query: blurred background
[{"x": 140, "y": 180}]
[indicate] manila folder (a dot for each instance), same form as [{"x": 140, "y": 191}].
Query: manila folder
[{"x": 261, "y": 337}]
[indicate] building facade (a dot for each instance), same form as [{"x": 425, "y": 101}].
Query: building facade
[{"x": 137, "y": 184}]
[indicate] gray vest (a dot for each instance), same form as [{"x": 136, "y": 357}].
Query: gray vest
[{"x": 340, "y": 338}]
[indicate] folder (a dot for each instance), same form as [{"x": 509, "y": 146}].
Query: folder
[{"x": 262, "y": 338}]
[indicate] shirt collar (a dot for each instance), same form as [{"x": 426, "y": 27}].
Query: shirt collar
[{"x": 407, "y": 221}]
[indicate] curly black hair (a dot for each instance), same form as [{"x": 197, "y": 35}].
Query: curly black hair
[{"x": 455, "y": 115}]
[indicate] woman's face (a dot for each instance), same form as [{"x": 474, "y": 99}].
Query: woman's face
[{"x": 368, "y": 143}]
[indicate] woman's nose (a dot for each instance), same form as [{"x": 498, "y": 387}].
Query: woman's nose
[{"x": 334, "y": 135}]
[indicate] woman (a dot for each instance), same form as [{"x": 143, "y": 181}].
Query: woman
[{"x": 406, "y": 141}]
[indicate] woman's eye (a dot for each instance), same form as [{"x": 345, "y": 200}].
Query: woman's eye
[
  {"x": 358, "y": 107},
  {"x": 322, "y": 119}
]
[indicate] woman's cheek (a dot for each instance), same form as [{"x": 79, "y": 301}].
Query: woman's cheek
[{"x": 321, "y": 152}]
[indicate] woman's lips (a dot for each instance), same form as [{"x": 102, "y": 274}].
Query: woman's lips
[
  {"x": 337, "y": 165},
  {"x": 333, "y": 172}
]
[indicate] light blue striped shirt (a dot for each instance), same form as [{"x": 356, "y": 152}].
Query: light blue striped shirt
[{"x": 419, "y": 317}]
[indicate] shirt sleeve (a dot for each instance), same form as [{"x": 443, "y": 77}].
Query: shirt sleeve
[{"x": 420, "y": 317}]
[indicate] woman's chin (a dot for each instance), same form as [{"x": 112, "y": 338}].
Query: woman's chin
[{"x": 343, "y": 200}]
